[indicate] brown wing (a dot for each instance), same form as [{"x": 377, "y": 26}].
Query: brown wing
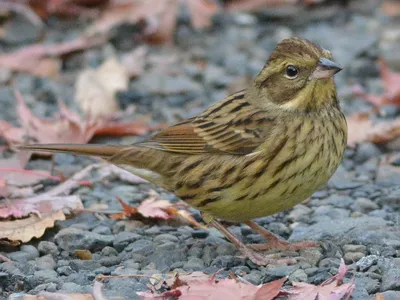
[{"x": 232, "y": 126}]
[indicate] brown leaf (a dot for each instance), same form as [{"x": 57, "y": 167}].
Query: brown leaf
[
  {"x": 253, "y": 5},
  {"x": 42, "y": 60},
  {"x": 362, "y": 129},
  {"x": 159, "y": 16},
  {"x": 331, "y": 289},
  {"x": 211, "y": 289},
  {"x": 26, "y": 229},
  {"x": 68, "y": 127},
  {"x": 96, "y": 88}
]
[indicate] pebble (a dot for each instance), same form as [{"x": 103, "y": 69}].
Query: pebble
[
  {"x": 45, "y": 276},
  {"x": 298, "y": 276},
  {"x": 365, "y": 262},
  {"x": 71, "y": 239},
  {"x": 391, "y": 295},
  {"x": 144, "y": 247},
  {"x": 354, "y": 248},
  {"x": 364, "y": 205},
  {"x": 45, "y": 262},
  {"x": 194, "y": 264},
  {"x": 46, "y": 247},
  {"x": 165, "y": 238},
  {"x": 312, "y": 255},
  {"x": 123, "y": 239},
  {"x": 352, "y": 257},
  {"x": 253, "y": 277}
]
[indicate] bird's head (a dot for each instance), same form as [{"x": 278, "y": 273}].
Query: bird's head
[{"x": 297, "y": 76}]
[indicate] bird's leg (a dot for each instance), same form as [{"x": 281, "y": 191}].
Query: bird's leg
[
  {"x": 255, "y": 257},
  {"x": 275, "y": 242}
]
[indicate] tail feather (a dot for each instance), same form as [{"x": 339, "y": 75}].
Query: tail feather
[{"x": 104, "y": 151}]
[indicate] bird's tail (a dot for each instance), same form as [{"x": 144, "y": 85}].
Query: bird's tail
[{"x": 103, "y": 151}]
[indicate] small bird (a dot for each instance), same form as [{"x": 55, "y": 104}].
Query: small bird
[{"x": 258, "y": 152}]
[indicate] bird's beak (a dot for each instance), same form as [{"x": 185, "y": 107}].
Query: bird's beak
[{"x": 325, "y": 69}]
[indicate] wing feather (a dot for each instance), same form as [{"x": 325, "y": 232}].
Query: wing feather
[{"x": 232, "y": 126}]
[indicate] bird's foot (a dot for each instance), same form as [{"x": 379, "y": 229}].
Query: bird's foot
[
  {"x": 254, "y": 256},
  {"x": 275, "y": 242}
]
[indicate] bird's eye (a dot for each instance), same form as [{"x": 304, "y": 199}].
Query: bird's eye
[{"x": 291, "y": 72}]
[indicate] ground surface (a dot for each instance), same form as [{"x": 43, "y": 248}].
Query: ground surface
[{"x": 356, "y": 216}]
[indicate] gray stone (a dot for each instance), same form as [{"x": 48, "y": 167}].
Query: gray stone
[
  {"x": 5, "y": 75},
  {"x": 388, "y": 175},
  {"x": 77, "y": 265},
  {"x": 343, "y": 180},
  {"x": 253, "y": 277},
  {"x": 194, "y": 264},
  {"x": 168, "y": 246},
  {"x": 339, "y": 200},
  {"x": 366, "y": 151},
  {"x": 351, "y": 257},
  {"x": 226, "y": 249},
  {"x": 278, "y": 271},
  {"x": 364, "y": 205},
  {"x": 200, "y": 233},
  {"x": 299, "y": 213},
  {"x": 165, "y": 238},
  {"x": 144, "y": 247},
  {"x": 312, "y": 255},
  {"x": 362, "y": 230},
  {"x": 298, "y": 276},
  {"x": 391, "y": 295},
  {"x": 102, "y": 230},
  {"x": 391, "y": 276},
  {"x": 20, "y": 256},
  {"x": 331, "y": 212},
  {"x": 329, "y": 262},
  {"x": 46, "y": 247},
  {"x": 354, "y": 248},
  {"x": 227, "y": 261},
  {"x": 109, "y": 251},
  {"x": 33, "y": 252},
  {"x": 45, "y": 276},
  {"x": 124, "y": 238},
  {"x": 369, "y": 284},
  {"x": 71, "y": 239},
  {"x": 72, "y": 287},
  {"x": 45, "y": 262},
  {"x": 65, "y": 270}
]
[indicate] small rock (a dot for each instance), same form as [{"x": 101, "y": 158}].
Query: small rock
[
  {"x": 312, "y": 255},
  {"x": 72, "y": 287},
  {"x": 300, "y": 213},
  {"x": 45, "y": 262},
  {"x": 364, "y": 205},
  {"x": 339, "y": 200},
  {"x": 20, "y": 256},
  {"x": 45, "y": 276},
  {"x": 367, "y": 261},
  {"x": 109, "y": 251},
  {"x": 391, "y": 279},
  {"x": 391, "y": 295},
  {"x": 5, "y": 75},
  {"x": 194, "y": 264},
  {"x": 200, "y": 233},
  {"x": 71, "y": 239},
  {"x": 31, "y": 250},
  {"x": 278, "y": 271},
  {"x": 366, "y": 151},
  {"x": 311, "y": 271},
  {"x": 165, "y": 238},
  {"x": 329, "y": 262},
  {"x": 46, "y": 247},
  {"x": 351, "y": 257},
  {"x": 124, "y": 238},
  {"x": 144, "y": 247},
  {"x": 226, "y": 249},
  {"x": 77, "y": 265},
  {"x": 253, "y": 277},
  {"x": 102, "y": 230},
  {"x": 354, "y": 248},
  {"x": 298, "y": 276},
  {"x": 65, "y": 270}
]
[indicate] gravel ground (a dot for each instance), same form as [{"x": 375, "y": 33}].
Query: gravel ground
[{"x": 356, "y": 216}]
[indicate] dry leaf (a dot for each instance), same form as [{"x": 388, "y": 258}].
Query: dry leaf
[
  {"x": 362, "y": 129},
  {"x": 42, "y": 60},
  {"x": 160, "y": 16},
  {"x": 96, "y": 88},
  {"x": 212, "y": 289},
  {"x": 253, "y": 5},
  {"x": 26, "y": 229},
  {"x": 391, "y": 84},
  {"x": 331, "y": 289},
  {"x": 68, "y": 127}
]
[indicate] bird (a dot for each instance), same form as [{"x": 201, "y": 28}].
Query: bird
[{"x": 260, "y": 151}]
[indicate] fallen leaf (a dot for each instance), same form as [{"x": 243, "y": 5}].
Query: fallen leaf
[
  {"x": 362, "y": 129},
  {"x": 212, "y": 289},
  {"x": 68, "y": 127},
  {"x": 253, "y": 5},
  {"x": 42, "y": 60},
  {"x": 391, "y": 84},
  {"x": 26, "y": 229},
  {"x": 331, "y": 289},
  {"x": 160, "y": 16},
  {"x": 95, "y": 90}
]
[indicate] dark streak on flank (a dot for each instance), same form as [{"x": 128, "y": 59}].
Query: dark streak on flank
[
  {"x": 221, "y": 187},
  {"x": 208, "y": 201},
  {"x": 270, "y": 187},
  {"x": 285, "y": 164},
  {"x": 239, "y": 107},
  {"x": 241, "y": 198},
  {"x": 190, "y": 167},
  {"x": 188, "y": 197}
]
